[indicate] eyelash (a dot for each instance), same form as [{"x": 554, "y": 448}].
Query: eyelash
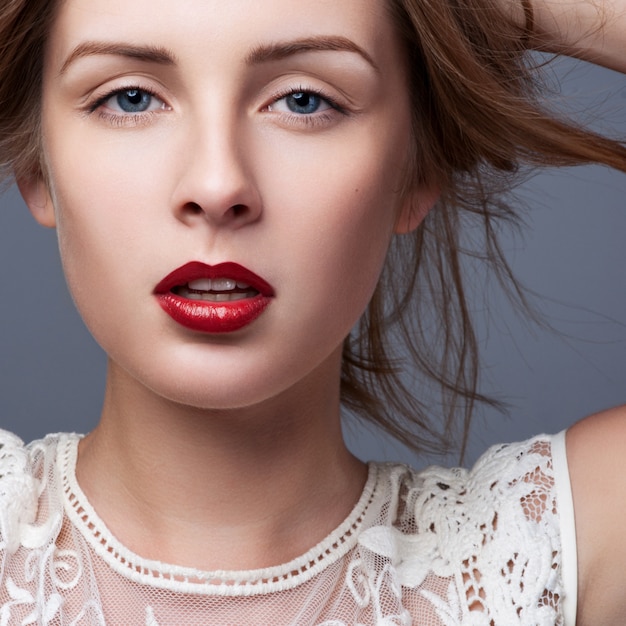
[
  {"x": 312, "y": 120},
  {"x": 142, "y": 117},
  {"x": 120, "y": 119}
]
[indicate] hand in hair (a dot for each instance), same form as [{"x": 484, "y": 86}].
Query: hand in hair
[{"x": 593, "y": 30}]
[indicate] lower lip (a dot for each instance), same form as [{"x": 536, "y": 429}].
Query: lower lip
[{"x": 213, "y": 317}]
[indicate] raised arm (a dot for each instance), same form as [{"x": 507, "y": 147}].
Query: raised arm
[{"x": 594, "y": 30}]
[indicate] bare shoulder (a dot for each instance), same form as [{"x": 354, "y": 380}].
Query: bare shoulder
[{"x": 596, "y": 450}]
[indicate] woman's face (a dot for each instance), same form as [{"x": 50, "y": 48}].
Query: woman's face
[{"x": 267, "y": 134}]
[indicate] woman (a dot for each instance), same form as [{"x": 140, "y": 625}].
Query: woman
[{"x": 225, "y": 182}]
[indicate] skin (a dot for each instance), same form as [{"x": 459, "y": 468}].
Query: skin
[
  {"x": 234, "y": 438},
  {"x": 595, "y": 449}
]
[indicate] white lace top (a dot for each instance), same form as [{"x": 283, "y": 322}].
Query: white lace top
[{"x": 492, "y": 546}]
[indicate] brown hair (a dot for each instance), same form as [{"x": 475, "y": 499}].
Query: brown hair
[
  {"x": 24, "y": 25},
  {"x": 479, "y": 123}
]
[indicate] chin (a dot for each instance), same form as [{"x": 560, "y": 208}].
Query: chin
[{"x": 215, "y": 395}]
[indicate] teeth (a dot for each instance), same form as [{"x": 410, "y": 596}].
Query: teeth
[
  {"x": 216, "y": 284},
  {"x": 216, "y": 297},
  {"x": 223, "y": 284},
  {"x": 202, "y": 284},
  {"x": 216, "y": 290}
]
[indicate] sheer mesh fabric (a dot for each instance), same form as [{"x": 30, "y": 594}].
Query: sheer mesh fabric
[{"x": 438, "y": 547}]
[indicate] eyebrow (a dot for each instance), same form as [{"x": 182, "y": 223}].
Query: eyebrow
[
  {"x": 260, "y": 54},
  {"x": 151, "y": 54},
  {"x": 278, "y": 51}
]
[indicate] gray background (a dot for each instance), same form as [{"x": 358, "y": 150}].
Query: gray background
[{"x": 572, "y": 254}]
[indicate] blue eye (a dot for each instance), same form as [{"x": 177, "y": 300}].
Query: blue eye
[
  {"x": 129, "y": 102},
  {"x": 133, "y": 100},
  {"x": 303, "y": 102}
]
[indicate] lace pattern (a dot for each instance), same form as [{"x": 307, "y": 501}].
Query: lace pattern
[{"x": 440, "y": 547}]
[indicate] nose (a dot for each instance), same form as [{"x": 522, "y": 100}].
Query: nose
[{"x": 216, "y": 182}]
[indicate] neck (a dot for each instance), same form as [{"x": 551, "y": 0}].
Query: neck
[{"x": 260, "y": 485}]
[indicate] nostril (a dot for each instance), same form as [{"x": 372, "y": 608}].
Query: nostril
[
  {"x": 235, "y": 213},
  {"x": 238, "y": 209},
  {"x": 194, "y": 208}
]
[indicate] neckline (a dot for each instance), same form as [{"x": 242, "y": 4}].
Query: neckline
[{"x": 190, "y": 580}]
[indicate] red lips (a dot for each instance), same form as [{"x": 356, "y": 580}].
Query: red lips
[{"x": 235, "y": 303}]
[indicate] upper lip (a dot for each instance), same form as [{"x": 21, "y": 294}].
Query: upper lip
[{"x": 195, "y": 270}]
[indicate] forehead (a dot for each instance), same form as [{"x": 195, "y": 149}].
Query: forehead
[{"x": 215, "y": 28}]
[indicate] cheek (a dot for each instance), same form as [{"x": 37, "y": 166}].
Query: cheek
[
  {"x": 101, "y": 191},
  {"x": 99, "y": 230},
  {"x": 342, "y": 200},
  {"x": 337, "y": 221}
]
